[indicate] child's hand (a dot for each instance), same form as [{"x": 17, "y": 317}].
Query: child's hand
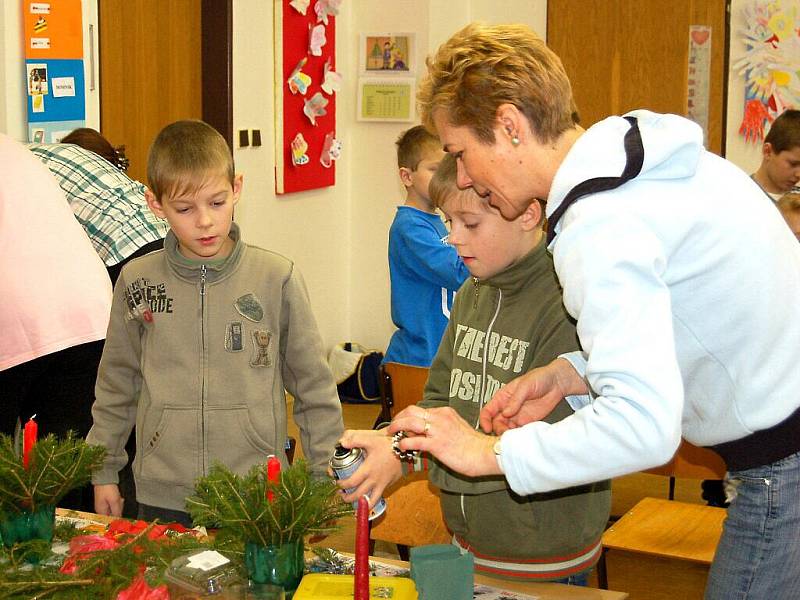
[
  {"x": 107, "y": 500},
  {"x": 381, "y": 467}
]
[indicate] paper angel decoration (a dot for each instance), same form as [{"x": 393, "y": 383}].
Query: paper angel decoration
[
  {"x": 300, "y": 6},
  {"x": 331, "y": 150},
  {"x": 325, "y": 8},
  {"x": 315, "y": 107},
  {"x": 299, "y": 147},
  {"x": 332, "y": 81},
  {"x": 316, "y": 39},
  {"x": 299, "y": 81}
]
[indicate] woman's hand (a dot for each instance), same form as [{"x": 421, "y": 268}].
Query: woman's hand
[
  {"x": 448, "y": 437},
  {"x": 531, "y": 397}
]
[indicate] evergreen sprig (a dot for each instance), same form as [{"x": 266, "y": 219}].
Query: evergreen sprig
[
  {"x": 301, "y": 505},
  {"x": 101, "y": 575},
  {"x": 56, "y": 467}
]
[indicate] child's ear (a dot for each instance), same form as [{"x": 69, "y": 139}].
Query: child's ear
[
  {"x": 155, "y": 205},
  {"x": 405, "y": 176},
  {"x": 238, "y": 181},
  {"x": 533, "y": 215}
]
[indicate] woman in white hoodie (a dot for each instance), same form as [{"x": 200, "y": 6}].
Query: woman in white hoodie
[{"x": 659, "y": 247}]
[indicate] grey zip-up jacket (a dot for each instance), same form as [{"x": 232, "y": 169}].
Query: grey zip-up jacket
[
  {"x": 198, "y": 357},
  {"x": 500, "y": 328}
]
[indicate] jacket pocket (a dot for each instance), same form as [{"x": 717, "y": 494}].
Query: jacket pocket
[
  {"x": 233, "y": 441},
  {"x": 168, "y": 450}
]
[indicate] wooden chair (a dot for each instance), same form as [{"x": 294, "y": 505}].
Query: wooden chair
[
  {"x": 667, "y": 528},
  {"x": 400, "y": 386},
  {"x": 413, "y": 516}
]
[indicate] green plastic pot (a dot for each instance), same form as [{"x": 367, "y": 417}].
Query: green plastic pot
[{"x": 278, "y": 565}]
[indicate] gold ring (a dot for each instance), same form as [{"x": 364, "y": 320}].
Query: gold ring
[{"x": 427, "y": 428}]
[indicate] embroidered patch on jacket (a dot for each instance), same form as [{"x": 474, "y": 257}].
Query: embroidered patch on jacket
[
  {"x": 233, "y": 337},
  {"x": 144, "y": 299},
  {"x": 260, "y": 357},
  {"x": 249, "y": 307}
]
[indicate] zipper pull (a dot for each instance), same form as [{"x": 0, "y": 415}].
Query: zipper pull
[
  {"x": 475, "y": 298},
  {"x": 202, "y": 280}
]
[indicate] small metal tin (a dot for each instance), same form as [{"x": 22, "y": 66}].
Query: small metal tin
[{"x": 345, "y": 462}]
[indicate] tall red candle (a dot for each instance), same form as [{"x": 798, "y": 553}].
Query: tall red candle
[
  {"x": 273, "y": 474},
  {"x": 361, "y": 573},
  {"x": 29, "y": 440}
]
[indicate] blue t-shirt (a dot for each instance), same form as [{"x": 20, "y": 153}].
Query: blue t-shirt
[{"x": 425, "y": 272}]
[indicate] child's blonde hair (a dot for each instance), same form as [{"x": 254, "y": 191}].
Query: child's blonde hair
[
  {"x": 413, "y": 144},
  {"x": 789, "y": 202},
  {"x": 443, "y": 185},
  {"x": 482, "y": 67},
  {"x": 183, "y": 153}
]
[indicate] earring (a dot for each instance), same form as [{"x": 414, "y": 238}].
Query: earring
[{"x": 515, "y": 141}]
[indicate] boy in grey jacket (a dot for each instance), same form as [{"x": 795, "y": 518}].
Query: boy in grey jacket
[{"x": 204, "y": 337}]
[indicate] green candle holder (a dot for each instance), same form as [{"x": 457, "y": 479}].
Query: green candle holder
[
  {"x": 29, "y": 525},
  {"x": 279, "y": 565}
]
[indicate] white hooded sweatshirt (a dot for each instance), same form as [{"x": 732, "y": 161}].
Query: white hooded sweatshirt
[{"x": 685, "y": 283}]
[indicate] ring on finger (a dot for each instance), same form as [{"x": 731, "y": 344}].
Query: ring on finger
[{"x": 427, "y": 427}]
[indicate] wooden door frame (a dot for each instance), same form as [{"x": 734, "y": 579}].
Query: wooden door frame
[{"x": 216, "y": 23}]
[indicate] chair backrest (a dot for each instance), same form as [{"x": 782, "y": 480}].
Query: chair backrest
[
  {"x": 692, "y": 462},
  {"x": 413, "y": 514},
  {"x": 401, "y": 386}
]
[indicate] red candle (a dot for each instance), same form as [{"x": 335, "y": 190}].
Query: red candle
[
  {"x": 29, "y": 440},
  {"x": 361, "y": 573},
  {"x": 273, "y": 474}
]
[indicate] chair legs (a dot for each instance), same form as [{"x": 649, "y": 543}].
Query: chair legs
[{"x": 602, "y": 573}]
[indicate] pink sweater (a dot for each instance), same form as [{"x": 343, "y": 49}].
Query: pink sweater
[{"x": 54, "y": 291}]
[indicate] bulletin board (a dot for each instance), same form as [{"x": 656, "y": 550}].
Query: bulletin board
[
  {"x": 54, "y": 68},
  {"x": 306, "y": 84}
]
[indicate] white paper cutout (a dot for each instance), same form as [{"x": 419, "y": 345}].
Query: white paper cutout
[
  {"x": 299, "y": 81},
  {"x": 315, "y": 107},
  {"x": 325, "y": 8},
  {"x": 317, "y": 39},
  {"x": 300, "y": 6},
  {"x": 331, "y": 150},
  {"x": 299, "y": 148},
  {"x": 332, "y": 80}
]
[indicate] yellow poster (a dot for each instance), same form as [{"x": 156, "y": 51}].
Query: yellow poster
[{"x": 386, "y": 100}]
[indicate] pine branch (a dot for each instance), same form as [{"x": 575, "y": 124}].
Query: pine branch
[
  {"x": 56, "y": 467},
  {"x": 301, "y": 505}
]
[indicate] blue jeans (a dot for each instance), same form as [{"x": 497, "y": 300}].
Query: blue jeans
[
  {"x": 759, "y": 553},
  {"x": 581, "y": 579}
]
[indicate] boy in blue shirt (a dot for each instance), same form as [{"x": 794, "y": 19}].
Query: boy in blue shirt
[{"x": 425, "y": 270}]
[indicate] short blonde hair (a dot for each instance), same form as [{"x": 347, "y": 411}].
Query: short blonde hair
[
  {"x": 443, "y": 185},
  {"x": 789, "y": 202},
  {"x": 183, "y": 154},
  {"x": 482, "y": 67},
  {"x": 412, "y": 146}
]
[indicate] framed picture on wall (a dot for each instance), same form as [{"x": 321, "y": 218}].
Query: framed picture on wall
[{"x": 386, "y": 53}]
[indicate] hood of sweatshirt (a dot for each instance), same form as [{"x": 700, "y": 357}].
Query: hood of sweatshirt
[{"x": 672, "y": 148}]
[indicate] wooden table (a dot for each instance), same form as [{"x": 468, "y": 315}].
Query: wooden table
[{"x": 543, "y": 591}]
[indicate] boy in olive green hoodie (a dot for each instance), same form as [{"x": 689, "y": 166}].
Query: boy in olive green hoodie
[{"x": 506, "y": 320}]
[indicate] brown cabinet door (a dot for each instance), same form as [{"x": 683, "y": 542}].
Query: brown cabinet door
[
  {"x": 626, "y": 54},
  {"x": 150, "y": 71}
]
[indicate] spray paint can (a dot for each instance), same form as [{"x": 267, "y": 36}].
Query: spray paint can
[{"x": 345, "y": 462}]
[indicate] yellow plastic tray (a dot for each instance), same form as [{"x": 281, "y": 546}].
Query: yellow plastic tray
[{"x": 321, "y": 586}]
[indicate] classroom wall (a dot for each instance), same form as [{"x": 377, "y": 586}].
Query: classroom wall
[{"x": 337, "y": 236}]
